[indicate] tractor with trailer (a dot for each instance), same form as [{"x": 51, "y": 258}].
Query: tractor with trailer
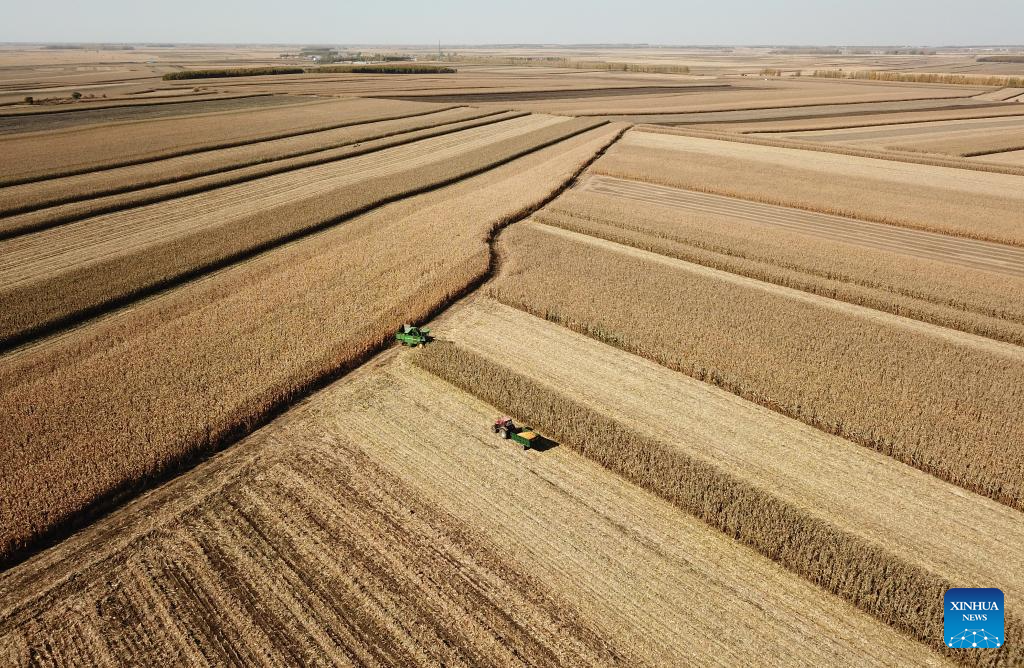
[
  {"x": 410, "y": 335},
  {"x": 524, "y": 436}
]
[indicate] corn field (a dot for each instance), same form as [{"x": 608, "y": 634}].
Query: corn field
[{"x": 918, "y": 395}]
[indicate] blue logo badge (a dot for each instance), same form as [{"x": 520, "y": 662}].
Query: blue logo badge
[{"x": 973, "y": 618}]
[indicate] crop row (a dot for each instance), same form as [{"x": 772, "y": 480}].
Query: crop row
[
  {"x": 900, "y": 593},
  {"x": 980, "y": 302},
  {"x": 986, "y": 206},
  {"x": 937, "y": 400},
  {"x": 125, "y": 399}
]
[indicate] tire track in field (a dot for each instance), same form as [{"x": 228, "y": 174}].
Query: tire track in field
[{"x": 972, "y": 253}]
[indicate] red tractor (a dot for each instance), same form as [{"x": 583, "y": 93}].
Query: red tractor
[{"x": 524, "y": 436}]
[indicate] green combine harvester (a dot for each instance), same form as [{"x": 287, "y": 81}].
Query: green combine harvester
[{"x": 410, "y": 335}]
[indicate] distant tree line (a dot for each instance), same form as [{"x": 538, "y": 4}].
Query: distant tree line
[
  {"x": 265, "y": 71},
  {"x": 1001, "y": 59},
  {"x": 923, "y": 77}
]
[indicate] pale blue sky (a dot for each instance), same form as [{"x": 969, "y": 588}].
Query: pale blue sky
[{"x": 862, "y": 22}]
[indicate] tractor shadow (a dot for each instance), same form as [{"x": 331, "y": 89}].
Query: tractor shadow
[{"x": 543, "y": 444}]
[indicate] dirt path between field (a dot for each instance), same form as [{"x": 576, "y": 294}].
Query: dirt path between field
[{"x": 918, "y": 243}]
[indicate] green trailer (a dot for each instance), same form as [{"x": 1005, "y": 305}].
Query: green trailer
[
  {"x": 524, "y": 436},
  {"x": 410, "y": 335}
]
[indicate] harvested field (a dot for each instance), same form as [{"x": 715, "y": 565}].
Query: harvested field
[
  {"x": 978, "y": 205},
  {"x": 335, "y": 534},
  {"x": 980, "y": 302},
  {"x": 34, "y": 157},
  {"x": 855, "y": 522},
  {"x": 99, "y": 183},
  {"x": 56, "y": 275},
  {"x": 302, "y": 552},
  {"x": 137, "y": 111},
  {"x": 925, "y": 395},
  {"x": 963, "y": 137},
  {"x": 113, "y": 404},
  {"x": 917, "y": 243}
]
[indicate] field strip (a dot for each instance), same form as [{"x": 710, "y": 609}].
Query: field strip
[
  {"x": 25, "y": 159},
  {"x": 1007, "y": 350},
  {"x": 818, "y": 111},
  {"x": 930, "y": 130},
  {"x": 727, "y": 107},
  {"x": 9, "y": 121},
  {"x": 9, "y": 118},
  {"x": 121, "y": 234},
  {"x": 66, "y": 213},
  {"x": 628, "y": 558},
  {"x": 768, "y": 130},
  {"x": 775, "y": 140},
  {"x": 868, "y": 496},
  {"x": 978, "y": 183},
  {"x": 32, "y": 196},
  {"x": 919, "y": 243}
]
